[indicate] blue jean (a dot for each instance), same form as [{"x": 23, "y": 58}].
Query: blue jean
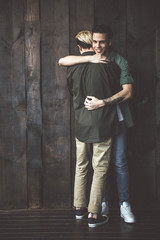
[{"x": 120, "y": 164}]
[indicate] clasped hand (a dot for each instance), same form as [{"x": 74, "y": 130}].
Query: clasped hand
[{"x": 92, "y": 103}]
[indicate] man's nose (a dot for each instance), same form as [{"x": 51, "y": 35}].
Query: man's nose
[{"x": 98, "y": 45}]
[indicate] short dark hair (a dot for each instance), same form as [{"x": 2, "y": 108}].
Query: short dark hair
[
  {"x": 103, "y": 29},
  {"x": 82, "y": 44}
]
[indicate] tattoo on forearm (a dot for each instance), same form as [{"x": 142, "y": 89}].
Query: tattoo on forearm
[{"x": 109, "y": 102}]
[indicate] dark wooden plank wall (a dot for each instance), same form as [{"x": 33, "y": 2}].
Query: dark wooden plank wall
[
  {"x": 37, "y": 150},
  {"x": 55, "y": 104},
  {"x": 13, "y": 171},
  {"x": 34, "y": 113},
  {"x": 141, "y": 38},
  {"x": 157, "y": 54}
]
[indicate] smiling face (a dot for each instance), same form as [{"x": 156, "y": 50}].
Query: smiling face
[{"x": 101, "y": 43}]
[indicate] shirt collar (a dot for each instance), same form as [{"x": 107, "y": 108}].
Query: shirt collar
[
  {"x": 111, "y": 54},
  {"x": 88, "y": 53}
]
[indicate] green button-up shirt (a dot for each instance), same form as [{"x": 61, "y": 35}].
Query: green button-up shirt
[
  {"x": 101, "y": 81},
  {"x": 125, "y": 78}
]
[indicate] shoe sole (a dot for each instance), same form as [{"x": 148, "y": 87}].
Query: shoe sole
[
  {"x": 81, "y": 217},
  {"x": 97, "y": 224},
  {"x": 127, "y": 221},
  {"x": 105, "y": 215}
]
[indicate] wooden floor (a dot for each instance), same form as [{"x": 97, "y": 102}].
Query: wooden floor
[{"x": 59, "y": 224}]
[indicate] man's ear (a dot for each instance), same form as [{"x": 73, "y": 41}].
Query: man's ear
[
  {"x": 110, "y": 42},
  {"x": 79, "y": 47}
]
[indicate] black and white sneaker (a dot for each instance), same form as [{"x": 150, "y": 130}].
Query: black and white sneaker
[
  {"x": 92, "y": 222},
  {"x": 80, "y": 213}
]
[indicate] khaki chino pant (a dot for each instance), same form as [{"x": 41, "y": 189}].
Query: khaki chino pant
[{"x": 100, "y": 163}]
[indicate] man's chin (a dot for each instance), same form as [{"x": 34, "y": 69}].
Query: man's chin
[{"x": 99, "y": 52}]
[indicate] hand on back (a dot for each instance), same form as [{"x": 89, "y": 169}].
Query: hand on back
[{"x": 97, "y": 58}]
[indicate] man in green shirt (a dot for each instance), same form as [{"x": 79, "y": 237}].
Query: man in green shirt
[
  {"x": 102, "y": 36},
  {"x": 100, "y": 80}
]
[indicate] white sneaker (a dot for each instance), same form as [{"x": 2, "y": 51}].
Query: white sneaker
[
  {"x": 105, "y": 209},
  {"x": 126, "y": 213}
]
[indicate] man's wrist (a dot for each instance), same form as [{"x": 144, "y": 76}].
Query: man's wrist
[
  {"x": 101, "y": 103},
  {"x": 106, "y": 102},
  {"x": 89, "y": 58},
  {"x": 109, "y": 101}
]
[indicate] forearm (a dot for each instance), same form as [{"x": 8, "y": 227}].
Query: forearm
[
  {"x": 108, "y": 101},
  {"x": 72, "y": 60},
  {"x": 92, "y": 103},
  {"x": 119, "y": 97}
]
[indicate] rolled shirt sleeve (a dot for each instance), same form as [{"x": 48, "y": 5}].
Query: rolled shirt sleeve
[{"x": 125, "y": 77}]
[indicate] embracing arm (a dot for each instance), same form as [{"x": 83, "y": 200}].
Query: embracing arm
[
  {"x": 92, "y": 103},
  {"x": 72, "y": 60}
]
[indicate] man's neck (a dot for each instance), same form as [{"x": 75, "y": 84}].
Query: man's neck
[
  {"x": 86, "y": 50},
  {"x": 107, "y": 53}
]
